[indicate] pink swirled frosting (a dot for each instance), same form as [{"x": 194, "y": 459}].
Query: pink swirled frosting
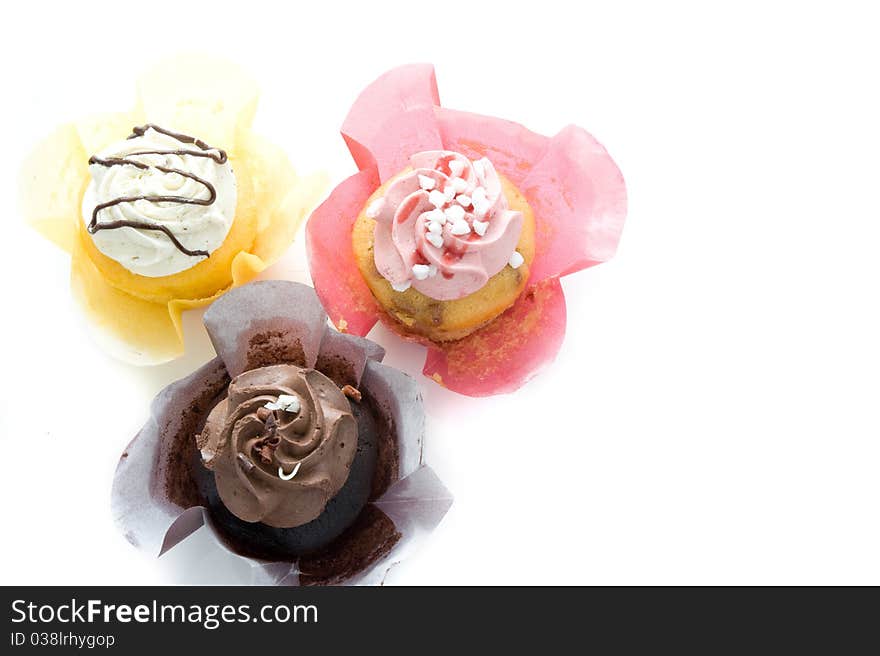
[{"x": 444, "y": 227}]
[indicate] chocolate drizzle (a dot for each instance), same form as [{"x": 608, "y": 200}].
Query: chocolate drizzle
[{"x": 202, "y": 150}]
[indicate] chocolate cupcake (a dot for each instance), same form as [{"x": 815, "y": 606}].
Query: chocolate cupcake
[{"x": 295, "y": 446}]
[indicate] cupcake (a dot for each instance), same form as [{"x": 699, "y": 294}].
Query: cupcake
[
  {"x": 296, "y": 447},
  {"x": 165, "y": 207},
  {"x": 456, "y": 230}
]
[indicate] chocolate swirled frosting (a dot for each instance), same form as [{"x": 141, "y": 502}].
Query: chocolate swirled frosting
[{"x": 280, "y": 444}]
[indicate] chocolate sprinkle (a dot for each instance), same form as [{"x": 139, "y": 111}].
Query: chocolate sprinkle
[
  {"x": 269, "y": 441},
  {"x": 352, "y": 392},
  {"x": 246, "y": 462}
]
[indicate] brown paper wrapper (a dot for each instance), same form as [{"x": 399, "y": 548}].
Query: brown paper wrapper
[{"x": 156, "y": 503}]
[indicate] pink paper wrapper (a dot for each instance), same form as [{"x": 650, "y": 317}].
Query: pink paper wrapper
[
  {"x": 256, "y": 325},
  {"x": 575, "y": 189}
]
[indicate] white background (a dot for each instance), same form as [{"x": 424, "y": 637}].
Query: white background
[{"x": 712, "y": 415}]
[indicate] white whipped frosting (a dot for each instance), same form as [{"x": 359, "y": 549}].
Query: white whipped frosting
[{"x": 198, "y": 227}]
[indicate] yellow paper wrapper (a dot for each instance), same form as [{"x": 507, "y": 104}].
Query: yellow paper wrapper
[{"x": 138, "y": 318}]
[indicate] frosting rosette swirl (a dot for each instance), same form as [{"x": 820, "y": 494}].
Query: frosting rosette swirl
[
  {"x": 444, "y": 227},
  {"x": 280, "y": 444}
]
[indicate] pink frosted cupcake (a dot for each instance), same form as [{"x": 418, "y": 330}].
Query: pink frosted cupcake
[{"x": 456, "y": 229}]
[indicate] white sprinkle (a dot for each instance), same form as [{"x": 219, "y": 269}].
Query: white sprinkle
[
  {"x": 287, "y": 477},
  {"x": 289, "y": 403},
  {"x": 460, "y": 227},
  {"x": 516, "y": 260},
  {"x": 421, "y": 271},
  {"x": 464, "y": 200},
  {"x": 434, "y": 227},
  {"x": 454, "y": 213},
  {"x": 436, "y": 216},
  {"x": 375, "y": 207},
  {"x": 400, "y": 286},
  {"x": 459, "y": 184},
  {"x": 480, "y": 227},
  {"x": 481, "y": 207},
  {"x": 284, "y": 402},
  {"x": 479, "y": 168},
  {"x": 426, "y": 183},
  {"x": 456, "y": 166},
  {"x": 478, "y": 194},
  {"x": 437, "y": 198},
  {"x": 449, "y": 192},
  {"x": 435, "y": 239}
]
